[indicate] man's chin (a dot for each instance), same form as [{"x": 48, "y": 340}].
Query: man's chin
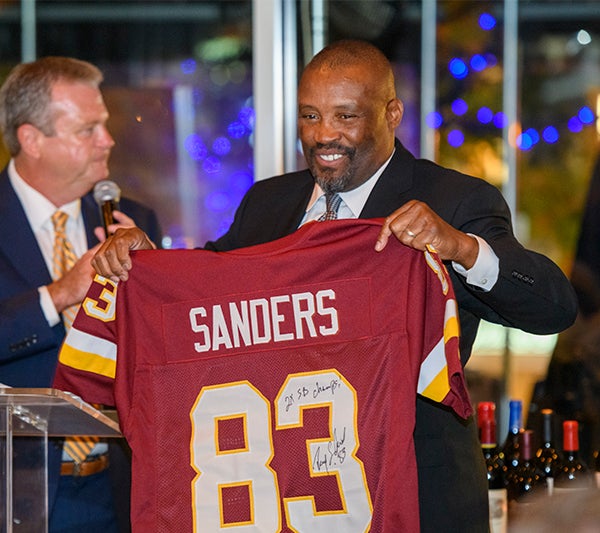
[{"x": 331, "y": 183}]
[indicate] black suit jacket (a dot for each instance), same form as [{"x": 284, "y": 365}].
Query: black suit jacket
[
  {"x": 531, "y": 293},
  {"x": 28, "y": 345}
]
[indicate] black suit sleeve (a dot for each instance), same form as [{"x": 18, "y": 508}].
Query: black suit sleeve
[{"x": 531, "y": 293}]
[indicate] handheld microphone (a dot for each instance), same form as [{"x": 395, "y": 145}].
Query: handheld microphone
[{"x": 107, "y": 195}]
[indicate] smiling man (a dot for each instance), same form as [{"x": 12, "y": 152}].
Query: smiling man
[{"x": 347, "y": 115}]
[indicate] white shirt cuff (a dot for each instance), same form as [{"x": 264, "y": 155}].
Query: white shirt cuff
[
  {"x": 47, "y": 306},
  {"x": 484, "y": 273}
]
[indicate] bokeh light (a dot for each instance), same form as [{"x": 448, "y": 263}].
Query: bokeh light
[
  {"x": 550, "y": 134},
  {"x": 459, "y": 107},
  {"x": 434, "y": 119},
  {"x": 221, "y": 146},
  {"x": 456, "y": 138},
  {"x": 487, "y": 22},
  {"x": 458, "y": 68},
  {"x": 195, "y": 147},
  {"x": 478, "y": 62},
  {"x": 485, "y": 115}
]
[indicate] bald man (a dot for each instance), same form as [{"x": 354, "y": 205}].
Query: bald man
[{"x": 348, "y": 112}]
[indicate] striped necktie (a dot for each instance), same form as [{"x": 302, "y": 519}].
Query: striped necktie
[
  {"x": 332, "y": 202},
  {"x": 78, "y": 448},
  {"x": 63, "y": 259}
]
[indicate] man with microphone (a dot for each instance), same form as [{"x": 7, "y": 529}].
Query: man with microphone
[{"x": 53, "y": 122}]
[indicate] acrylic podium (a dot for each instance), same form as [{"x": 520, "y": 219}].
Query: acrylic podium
[{"x": 28, "y": 418}]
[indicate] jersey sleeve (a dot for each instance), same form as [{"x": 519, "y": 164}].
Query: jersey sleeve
[
  {"x": 441, "y": 376},
  {"x": 88, "y": 357}
]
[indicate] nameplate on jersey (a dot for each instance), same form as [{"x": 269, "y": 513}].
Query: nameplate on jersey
[{"x": 261, "y": 320}]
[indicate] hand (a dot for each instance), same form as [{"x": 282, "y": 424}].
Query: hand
[
  {"x": 112, "y": 260},
  {"x": 123, "y": 221},
  {"x": 416, "y": 225},
  {"x": 73, "y": 286}
]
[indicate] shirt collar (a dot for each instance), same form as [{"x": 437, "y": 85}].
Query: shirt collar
[
  {"x": 356, "y": 198},
  {"x": 36, "y": 206}
]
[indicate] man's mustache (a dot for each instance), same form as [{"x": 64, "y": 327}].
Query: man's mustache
[{"x": 339, "y": 148}]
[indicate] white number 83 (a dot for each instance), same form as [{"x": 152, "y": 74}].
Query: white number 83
[{"x": 249, "y": 466}]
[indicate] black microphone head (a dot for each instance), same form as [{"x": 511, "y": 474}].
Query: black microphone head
[{"x": 106, "y": 191}]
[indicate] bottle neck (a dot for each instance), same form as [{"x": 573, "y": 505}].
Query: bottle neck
[
  {"x": 515, "y": 419},
  {"x": 547, "y": 436},
  {"x": 570, "y": 437},
  {"x": 526, "y": 438},
  {"x": 487, "y": 434}
]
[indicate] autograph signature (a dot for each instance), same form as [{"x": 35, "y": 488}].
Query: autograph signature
[
  {"x": 329, "y": 455},
  {"x": 316, "y": 390}
]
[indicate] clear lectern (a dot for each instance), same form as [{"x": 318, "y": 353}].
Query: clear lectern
[{"x": 27, "y": 418}]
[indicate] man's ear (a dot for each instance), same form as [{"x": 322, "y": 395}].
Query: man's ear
[
  {"x": 29, "y": 139},
  {"x": 394, "y": 112}
]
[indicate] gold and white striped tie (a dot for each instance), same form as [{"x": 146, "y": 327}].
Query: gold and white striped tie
[
  {"x": 78, "y": 448},
  {"x": 63, "y": 259}
]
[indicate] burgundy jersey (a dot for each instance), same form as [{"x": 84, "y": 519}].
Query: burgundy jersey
[{"x": 272, "y": 388}]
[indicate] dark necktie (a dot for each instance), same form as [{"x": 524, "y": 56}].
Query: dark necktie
[{"x": 332, "y": 201}]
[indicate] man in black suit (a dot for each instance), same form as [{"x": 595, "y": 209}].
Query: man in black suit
[
  {"x": 53, "y": 121},
  {"x": 347, "y": 114}
]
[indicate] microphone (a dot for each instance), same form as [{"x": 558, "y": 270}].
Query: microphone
[{"x": 107, "y": 195}]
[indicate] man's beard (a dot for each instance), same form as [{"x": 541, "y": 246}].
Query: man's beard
[
  {"x": 326, "y": 179},
  {"x": 332, "y": 184}
]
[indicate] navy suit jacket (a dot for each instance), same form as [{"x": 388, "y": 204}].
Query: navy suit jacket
[
  {"x": 531, "y": 293},
  {"x": 28, "y": 345}
]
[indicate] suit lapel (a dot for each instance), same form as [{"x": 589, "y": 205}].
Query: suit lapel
[
  {"x": 393, "y": 187},
  {"x": 91, "y": 218},
  {"x": 296, "y": 206},
  {"x": 17, "y": 241}
]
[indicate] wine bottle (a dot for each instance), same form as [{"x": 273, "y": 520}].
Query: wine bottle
[
  {"x": 572, "y": 474},
  {"x": 524, "y": 478},
  {"x": 509, "y": 453},
  {"x": 498, "y": 501},
  {"x": 546, "y": 456}
]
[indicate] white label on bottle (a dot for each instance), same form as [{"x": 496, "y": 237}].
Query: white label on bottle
[{"x": 498, "y": 510}]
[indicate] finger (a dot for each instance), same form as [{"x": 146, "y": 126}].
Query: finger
[
  {"x": 100, "y": 233},
  {"x": 383, "y": 237},
  {"x": 110, "y": 263},
  {"x": 102, "y": 268},
  {"x": 123, "y": 220}
]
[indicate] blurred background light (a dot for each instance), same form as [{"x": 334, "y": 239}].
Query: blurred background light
[
  {"x": 485, "y": 115},
  {"x": 458, "y": 68},
  {"x": 434, "y": 119},
  {"x": 456, "y": 138},
  {"x": 550, "y": 134},
  {"x": 486, "y": 21},
  {"x": 459, "y": 107}
]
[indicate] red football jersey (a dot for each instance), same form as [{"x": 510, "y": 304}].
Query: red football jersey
[{"x": 272, "y": 388}]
